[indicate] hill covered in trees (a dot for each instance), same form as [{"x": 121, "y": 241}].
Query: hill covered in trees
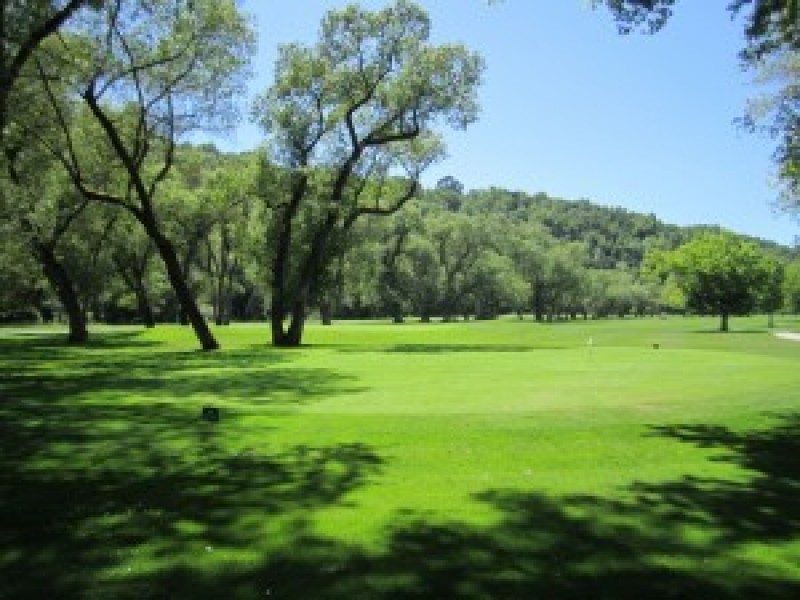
[{"x": 614, "y": 236}]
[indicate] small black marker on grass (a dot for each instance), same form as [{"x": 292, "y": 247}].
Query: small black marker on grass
[{"x": 210, "y": 414}]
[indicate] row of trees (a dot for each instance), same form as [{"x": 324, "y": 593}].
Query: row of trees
[
  {"x": 97, "y": 191},
  {"x": 448, "y": 254},
  {"x": 97, "y": 94}
]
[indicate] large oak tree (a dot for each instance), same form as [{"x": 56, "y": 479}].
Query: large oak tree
[
  {"x": 146, "y": 74},
  {"x": 719, "y": 273},
  {"x": 352, "y": 121}
]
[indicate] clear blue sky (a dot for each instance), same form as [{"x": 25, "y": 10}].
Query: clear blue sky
[{"x": 573, "y": 109}]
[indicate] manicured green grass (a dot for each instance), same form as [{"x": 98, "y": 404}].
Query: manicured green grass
[{"x": 468, "y": 460}]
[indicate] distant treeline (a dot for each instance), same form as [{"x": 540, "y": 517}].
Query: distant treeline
[{"x": 446, "y": 254}]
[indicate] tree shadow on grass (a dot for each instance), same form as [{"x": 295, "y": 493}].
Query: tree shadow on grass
[
  {"x": 666, "y": 541},
  {"x": 450, "y": 348},
  {"x": 91, "y": 528},
  {"x": 105, "y": 464},
  {"x": 112, "y": 499},
  {"x": 43, "y": 377},
  {"x": 20, "y": 353},
  {"x": 765, "y": 508},
  {"x": 733, "y": 332},
  {"x": 21, "y": 340},
  {"x": 107, "y": 471},
  {"x": 437, "y": 348},
  {"x": 90, "y": 398}
]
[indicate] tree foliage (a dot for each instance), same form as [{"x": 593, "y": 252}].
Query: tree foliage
[
  {"x": 146, "y": 74},
  {"x": 353, "y": 120},
  {"x": 722, "y": 274}
]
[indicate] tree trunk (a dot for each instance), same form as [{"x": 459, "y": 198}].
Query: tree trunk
[
  {"x": 186, "y": 299},
  {"x": 291, "y": 336},
  {"x": 58, "y": 277},
  {"x": 144, "y": 307},
  {"x": 424, "y": 314},
  {"x": 296, "y": 325},
  {"x": 186, "y": 266},
  {"x": 223, "y": 273},
  {"x": 538, "y": 303},
  {"x": 325, "y": 312},
  {"x": 219, "y": 301},
  {"x": 288, "y": 337},
  {"x": 771, "y": 320},
  {"x": 277, "y": 317},
  {"x": 723, "y": 321}
]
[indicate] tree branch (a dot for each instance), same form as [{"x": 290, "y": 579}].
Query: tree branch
[
  {"x": 122, "y": 152},
  {"x": 34, "y": 39},
  {"x": 394, "y": 206}
]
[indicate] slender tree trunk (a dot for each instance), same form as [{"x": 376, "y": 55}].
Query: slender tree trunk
[
  {"x": 771, "y": 320},
  {"x": 186, "y": 267},
  {"x": 723, "y": 321},
  {"x": 227, "y": 301},
  {"x": 186, "y": 299},
  {"x": 219, "y": 300},
  {"x": 325, "y": 312},
  {"x": 538, "y": 305},
  {"x": 62, "y": 284},
  {"x": 424, "y": 314},
  {"x": 227, "y": 291},
  {"x": 144, "y": 307},
  {"x": 134, "y": 279}
]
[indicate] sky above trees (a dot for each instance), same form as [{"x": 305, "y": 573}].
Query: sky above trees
[{"x": 571, "y": 108}]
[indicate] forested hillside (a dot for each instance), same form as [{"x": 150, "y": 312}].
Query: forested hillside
[{"x": 613, "y": 236}]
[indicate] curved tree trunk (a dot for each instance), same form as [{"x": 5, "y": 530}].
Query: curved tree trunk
[
  {"x": 58, "y": 277},
  {"x": 186, "y": 299}
]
